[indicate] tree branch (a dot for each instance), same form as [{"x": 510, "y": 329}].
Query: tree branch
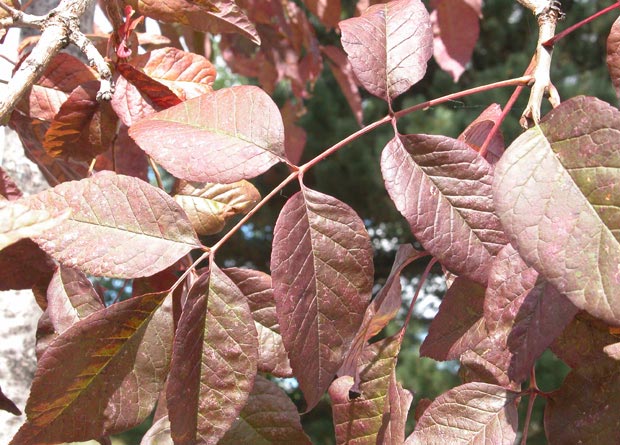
[{"x": 59, "y": 28}]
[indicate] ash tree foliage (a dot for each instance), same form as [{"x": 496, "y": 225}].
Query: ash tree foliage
[{"x": 528, "y": 236}]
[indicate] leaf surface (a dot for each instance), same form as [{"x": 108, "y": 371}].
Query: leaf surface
[
  {"x": 322, "y": 271},
  {"x": 23, "y": 265},
  {"x": 256, "y": 286},
  {"x": 119, "y": 226},
  {"x": 443, "y": 189},
  {"x": 554, "y": 194},
  {"x": 8, "y": 405},
  {"x": 18, "y": 220},
  {"x": 328, "y": 11},
  {"x": 486, "y": 414},
  {"x": 613, "y": 55},
  {"x": 395, "y": 413},
  {"x": 343, "y": 73},
  {"x": 389, "y": 46},
  {"x": 213, "y": 363},
  {"x": 476, "y": 133},
  {"x": 108, "y": 359},
  {"x": 268, "y": 418},
  {"x": 225, "y": 136},
  {"x": 209, "y": 206}
]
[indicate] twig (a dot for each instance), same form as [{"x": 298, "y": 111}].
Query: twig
[{"x": 567, "y": 31}]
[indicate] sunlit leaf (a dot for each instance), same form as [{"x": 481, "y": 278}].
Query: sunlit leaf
[
  {"x": 360, "y": 419},
  {"x": 129, "y": 344},
  {"x": 158, "y": 433},
  {"x": 256, "y": 286},
  {"x": 214, "y": 361},
  {"x": 456, "y": 28},
  {"x": 268, "y": 418},
  {"x": 225, "y": 136},
  {"x": 119, "y": 226},
  {"x": 156, "y": 92},
  {"x": 322, "y": 271},
  {"x": 486, "y": 414},
  {"x": 554, "y": 192},
  {"x": 214, "y": 16},
  {"x": 443, "y": 189},
  {"x": 209, "y": 206},
  {"x": 18, "y": 220},
  {"x": 459, "y": 324},
  {"x": 389, "y": 46}
]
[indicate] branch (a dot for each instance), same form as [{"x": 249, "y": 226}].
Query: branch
[{"x": 59, "y": 28}]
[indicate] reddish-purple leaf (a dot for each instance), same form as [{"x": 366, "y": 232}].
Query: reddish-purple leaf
[
  {"x": 456, "y": 28},
  {"x": 269, "y": 418},
  {"x": 209, "y": 206},
  {"x": 83, "y": 127},
  {"x": 389, "y": 46},
  {"x": 554, "y": 192},
  {"x": 225, "y": 136},
  {"x": 256, "y": 286},
  {"x": 158, "y": 93},
  {"x": 395, "y": 414},
  {"x": 476, "y": 133},
  {"x": 360, "y": 419},
  {"x": 381, "y": 310},
  {"x": 343, "y": 73},
  {"x": 459, "y": 324},
  {"x": 584, "y": 410},
  {"x": 474, "y": 413},
  {"x": 487, "y": 362},
  {"x": 8, "y": 188},
  {"x": 88, "y": 378},
  {"x": 295, "y": 137},
  {"x": 7, "y": 404},
  {"x": 24, "y": 265},
  {"x": 214, "y": 16},
  {"x": 129, "y": 104},
  {"x": 525, "y": 312},
  {"x": 328, "y": 11},
  {"x": 125, "y": 158},
  {"x": 443, "y": 189},
  {"x": 613, "y": 55},
  {"x": 71, "y": 297},
  {"x": 18, "y": 220},
  {"x": 213, "y": 363},
  {"x": 119, "y": 226},
  {"x": 322, "y": 273}
]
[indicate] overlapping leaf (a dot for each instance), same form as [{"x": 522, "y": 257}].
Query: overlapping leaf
[
  {"x": 232, "y": 134},
  {"x": 23, "y": 265},
  {"x": 395, "y": 413},
  {"x": 119, "y": 226},
  {"x": 389, "y": 46},
  {"x": 214, "y": 16},
  {"x": 613, "y": 55},
  {"x": 322, "y": 272},
  {"x": 554, "y": 192},
  {"x": 108, "y": 359},
  {"x": 360, "y": 420},
  {"x": 486, "y": 414},
  {"x": 210, "y": 206},
  {"x": 476, "y": 133},
  {"x": 214, "y": 361},
  {"x": 256, "y": 286},
  {"x": 18, "y": 220},
  {"x": 157, "y": 93},
  {"x": 443, "y": 189},
  {"x": 8, "y": 188},
  {"x": 268, "y": 418},
  {"x": 456, "y": 29}
]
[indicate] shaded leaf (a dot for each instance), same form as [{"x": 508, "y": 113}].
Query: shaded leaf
[
  {"x": 158, "y": 433},
  {"x": 215, "y": 16},
  {"x": 395, "y": 414},
  {"x": 456, "y": 28},
  {"x": 158, "y": 93},
  {"x": 268, "y": 418},
  {"x": 83, "y": 127},
  {"x": 8, "y": 405},
  {"x": 389, "y": 46},
  {"x": 613, "y": 55},
  {"x": 443, "y": 189},
  {"x": 343, "y": 73},
  {"x": 459, "y": 324},
  {"x": 8, "y": 188},
  {"x": 486, "y": 414},
  {"x": 231, "y": 134},
  {"x": 107, "y": 358},
  {"x": 256, "y": 286},
  {"x": 24, "y": 265},
  {"x": 476, "y": 133},
  {"x": 18, "y": 220},
  {"x": 322, "y": 271},
  {"x": 119, "y": 226},
  {"x": 209, "y": 206},
  {"x": 295, "y": 137},
  {"x": 125, "y": 158},
  {"x": 554, "y": 194},
  {"x": 575, "y": 415},
  {"x": 360, "y": 419},
  {"x": 328, "y": 11},
  {"x": 488, "y": 362},
  {"x": 214, "y": 361}
]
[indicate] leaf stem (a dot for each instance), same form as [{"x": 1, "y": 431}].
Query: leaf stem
[
  {"x": 427, "y": 271},
  {"x": 532, "y": 394},
  {"x": 160, "y": 183},
  {"x": 523, "y": 80},
  {"x": 567, "y": 31}
]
